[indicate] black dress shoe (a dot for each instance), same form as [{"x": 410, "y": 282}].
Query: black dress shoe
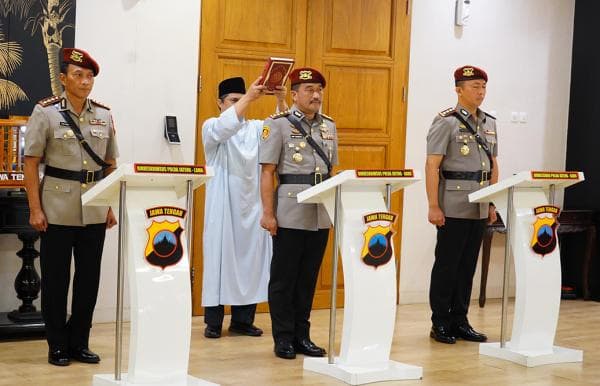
[
  {"x": 84, "y": 355},
  {"x": 212, "y": 332},
  {"x": 285, "y": 350},
  {"x": 442, "y": 335},
  {"x": 466, "y": 332},
  {"x": 245, "y": 329},
  {"x": 307, "y": 347},
  {"x": 58, "y": 357}
]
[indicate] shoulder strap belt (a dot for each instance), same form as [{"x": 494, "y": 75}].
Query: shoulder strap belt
[
  {"x": 311, "y": 142},
  {"x": 83, "y": 142},
  {"x": 478, "y": 138}
]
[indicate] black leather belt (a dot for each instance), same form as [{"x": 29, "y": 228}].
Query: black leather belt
[
  {"x": 83, "y": 176},
  {"x": 479, "y": 176},
  {"x": 303, "y": 179}
]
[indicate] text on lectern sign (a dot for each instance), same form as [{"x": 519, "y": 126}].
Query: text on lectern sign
[
  {"x": 169, "y": 169},
  {"x": 547, "y": 175},
  {"x": 406, "y": 173}
]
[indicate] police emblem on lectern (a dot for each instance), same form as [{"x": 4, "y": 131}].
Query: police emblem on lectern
[
  {"x": 377, "y": 247},
  {"x": 543, "y": 240},
  {"x": 164, "y": 247}
]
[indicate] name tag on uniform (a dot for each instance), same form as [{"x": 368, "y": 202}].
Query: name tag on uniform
[
  {"x": 490, "y": 132},
  {"x": 99, "y": 122},
  {"x": 296, "y": 136},
  {"x": 64, "y": 124}
]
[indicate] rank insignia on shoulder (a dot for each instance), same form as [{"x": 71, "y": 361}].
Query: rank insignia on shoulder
[
  {"x": 99, "y": 104},
  {"x": 49, "y": 101},
  {"x": 280, "y": 115},
  {"x": 266, "y": 130},
  {"x": 447, "y": 112},
  {"x": 489, "y": 115},
  {"x": 327, "y": 117}
]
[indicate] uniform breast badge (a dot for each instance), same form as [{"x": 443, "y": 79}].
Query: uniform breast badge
[
  {"x": 302, "y": 144},
  {"x": 297, "y": 157},
  {"x": 464, "y": 150}
]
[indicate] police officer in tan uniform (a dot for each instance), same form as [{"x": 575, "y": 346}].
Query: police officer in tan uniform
[
  {"x": 461, "y": 158},
  {"x": 300, "y": 147},
  {"x": 74, "y": 137}
]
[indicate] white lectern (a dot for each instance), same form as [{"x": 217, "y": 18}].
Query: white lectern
[
  {"x": 154, "y": 238},
  {"x": 363, "y": 226},
  {"x": 526, "y": 203}
]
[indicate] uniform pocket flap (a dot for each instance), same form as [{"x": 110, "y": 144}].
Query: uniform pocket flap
[
  {"x": 99, "y": 132},
  {"x": 56, "y": 187},
  {"x": 64, "y": 133},
  {"x": 458, "y": 185},
  {"x": 465, "y": 137},
  {"x": 289, "y": 190}
]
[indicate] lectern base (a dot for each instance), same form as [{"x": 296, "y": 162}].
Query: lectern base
[
  {"x": 109, "y": 380},
  {"x": 531, "y": 358},
  {"x": 358, "y": 375}
]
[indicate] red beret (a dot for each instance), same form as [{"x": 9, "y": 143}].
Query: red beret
[
  {"x": 306, "y": 75},
  {"x": 469, "y": 73},
  {"x": 80, "y": 58}
]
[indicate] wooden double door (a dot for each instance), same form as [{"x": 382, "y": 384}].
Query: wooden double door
[{"x": 360, "y": 46}]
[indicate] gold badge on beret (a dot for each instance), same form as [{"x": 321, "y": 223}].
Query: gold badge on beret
[
  {"x": 468, "y": 71},
  {"x": 464, "y": 150},
  {"x": 265, "y": 132},
  {"x": 305, "y": 75},
  {"x": 297, "y": 157},
  {"x": 76, "y": 56}
]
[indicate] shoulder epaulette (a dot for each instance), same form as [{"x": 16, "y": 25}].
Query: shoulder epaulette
[
  {"x": 49, "y": 101},
  {"x": 446, "y": 113},
  {"x": 489, "y": 115},
  {"x": 99, "y": 104},
  {"x": 327, "y": 117},
  {"x": 280, "y": 115}
]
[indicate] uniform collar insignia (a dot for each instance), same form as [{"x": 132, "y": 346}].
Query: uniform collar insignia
[
  {"x": 464, "y": 112},
  {"x": 63, "y": 103},
  {"x": 298, "y": 114}
]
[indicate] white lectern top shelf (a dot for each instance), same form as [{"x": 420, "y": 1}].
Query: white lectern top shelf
[
  {"x": 351, "y": 180},
  {"x": 107, "y": 190},
  {"x": 527, "y": 180}
]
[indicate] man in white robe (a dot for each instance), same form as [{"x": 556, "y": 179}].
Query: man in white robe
[{"x": 237, "y": 251}]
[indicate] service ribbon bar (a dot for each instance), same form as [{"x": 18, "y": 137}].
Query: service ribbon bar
[
  {"x": 385, "y": 173},
  {"x": 544, "y": 175},
  {"x": 169, "y": 169}
]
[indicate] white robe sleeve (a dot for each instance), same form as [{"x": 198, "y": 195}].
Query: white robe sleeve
[{"x": 218, "y": 130}]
